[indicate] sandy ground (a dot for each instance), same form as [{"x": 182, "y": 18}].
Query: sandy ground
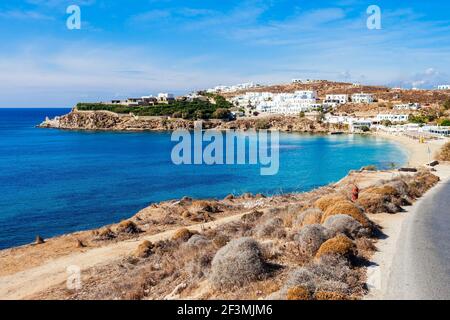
[
  {"x": 29, "y": 282},
  {"x": 378, "y": 273}
]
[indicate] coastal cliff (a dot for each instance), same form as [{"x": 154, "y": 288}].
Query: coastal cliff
[{"x": 109, "y": 121}]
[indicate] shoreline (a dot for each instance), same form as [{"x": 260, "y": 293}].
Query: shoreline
[{"x": 417, "y": 153}]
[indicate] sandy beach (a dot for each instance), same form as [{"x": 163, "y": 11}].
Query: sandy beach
[{"x": 418, "y": 153}]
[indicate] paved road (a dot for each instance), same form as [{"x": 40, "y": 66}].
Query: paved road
[{"x": 421, "y": 267}]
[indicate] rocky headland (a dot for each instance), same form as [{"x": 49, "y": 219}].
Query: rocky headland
[{"x": 109, "y": 121}]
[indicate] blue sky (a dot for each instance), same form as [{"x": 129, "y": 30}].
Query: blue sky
[{"x": 137, "y": 47}]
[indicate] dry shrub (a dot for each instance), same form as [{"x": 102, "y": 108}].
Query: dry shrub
[
  {"x": 272, "y": 227},
  {"x": 127, "y": 226},
  {"x": 330, "y": 295},
  {"x": 310, "y": 238},
  {"x": 237, "y": 263},
  {"x": 197, "y": 241},
  {"x": 220, "y": 240},
  {"x": 182, "y": 235},
  {"x": 374, "y": 202},
  {"x": 421, "y": 182},
  {"x": 204, "y": 206},
  {"x": 444, "y": 154},
  {"x": 298, "y": 293},
  {"x": 103, "y": 234},
  {"x": 348, "y": 208},
  {"x": 366, "y": 245},
  {"x": 144, "y": 249},
  {"x": 309, "y": 216},
  {"x": 339, "y": 245},
  {"x": 388, "y": 197},
  {"x": 326, "y": 274},
  {"x": 252, "y": 216},
  {"x": 345, "y": 224},
  {"x": 329, "y": 200}
]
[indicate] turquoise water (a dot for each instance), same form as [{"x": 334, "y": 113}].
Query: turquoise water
[{"x": 54, "y": 181}]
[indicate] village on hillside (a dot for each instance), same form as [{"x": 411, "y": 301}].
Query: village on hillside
[{"x": 362, "y": 108}]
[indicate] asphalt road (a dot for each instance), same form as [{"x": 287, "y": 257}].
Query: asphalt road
[{"x": 421, "y": 268}]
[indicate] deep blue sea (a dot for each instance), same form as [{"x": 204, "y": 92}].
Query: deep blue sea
[{"x": 54, "y": 181}]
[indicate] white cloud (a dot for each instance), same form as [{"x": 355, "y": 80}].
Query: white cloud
[{"x": 24, "y": 15}]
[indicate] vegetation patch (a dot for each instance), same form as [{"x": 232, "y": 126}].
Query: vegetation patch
[
  {"x": 237, "y": 263},
  {"x": 348, "y": 208},
  {"x": 339, "y": 245},
  {"x": 444, "y": 154},
  {"x": 345, "y": 224},
  {"x": 329, "y": 200},
  {"x": 310, "y": 238},
  {"x": 309, "y": 216},
  {"x": 144, "y": 249},
  {"x": 127, "y": 226},
  {"x": 189, "y": 110}
]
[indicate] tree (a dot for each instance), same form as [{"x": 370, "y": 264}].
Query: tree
[
  {"x": 444, "y": 122},
  {"x": 365, "y": 129},
  {"x": 221, "y": 113},
  {"x": 302, "y": 114}
]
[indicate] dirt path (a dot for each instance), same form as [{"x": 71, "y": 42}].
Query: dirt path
[{"x": 32, "y": 281}]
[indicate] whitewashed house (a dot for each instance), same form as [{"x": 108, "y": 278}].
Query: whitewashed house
[
  {"x": 362, "y": 98},
  {"x": 408, "y": 106},
  {"x": 394, "y": 118},
  {"x": 338, "y": 98}
]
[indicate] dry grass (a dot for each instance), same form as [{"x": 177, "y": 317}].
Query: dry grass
[
  {"x": 348, "y": 208},
  {"x": 329, "y": 200},
  {"x": 144, "y": 249},
  {"x": 273, "y": 227},
  {"x": 444, "y": 154},
  {"x": 103, "y": 234},
  {"x": 221, "y": 240},
  {"x": 339, "y": 245},
  {"x": 298, "y": 293},
  {"x": 421, "y": 182},
  {"x": 309, "y": 216},
  {"x": 127, "y": 226},
  {"x": 330, "y": 295},
  {"x": 182, "y": 235}
]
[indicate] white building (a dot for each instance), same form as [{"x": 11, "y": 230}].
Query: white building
[
  {"x": 354, "y": 123},
  {"x": 336, "y": 98},
  {"x": 407, "y": 106},
  {"x": 165, "y": 96},
  {"x": 394, "y": 118},
  {"x": 281, "y": 103},
  {"x": 444, "y": 87},
  {"x": 233, "y": 88},
  {"x": 362, "y": 98}
]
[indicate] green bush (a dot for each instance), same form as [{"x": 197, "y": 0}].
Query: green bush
[{"x": 191, "y": 110}]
